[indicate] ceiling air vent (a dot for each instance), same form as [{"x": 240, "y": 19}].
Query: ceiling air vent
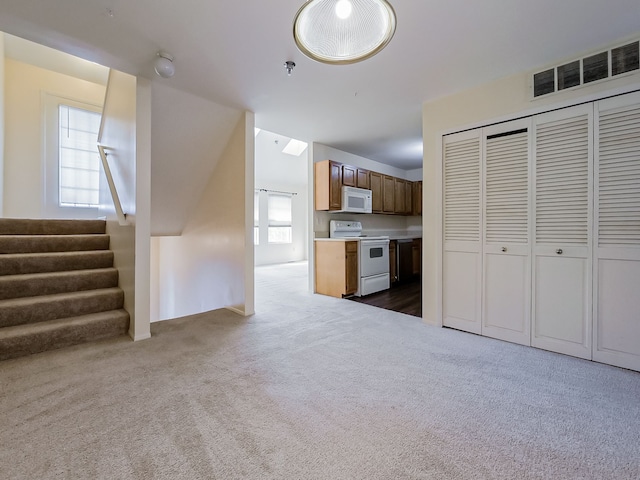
[{"x": 593, "y": 68}]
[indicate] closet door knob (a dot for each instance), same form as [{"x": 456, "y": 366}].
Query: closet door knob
[
  {"x": 504, "y": 249},
  {"x": 559, "y": 251}
]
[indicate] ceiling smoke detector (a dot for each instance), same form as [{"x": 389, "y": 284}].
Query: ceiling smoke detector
[{"x": 163, "y": 64}]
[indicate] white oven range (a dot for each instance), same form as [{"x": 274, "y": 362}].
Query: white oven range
[{"x": 373, "y": 256}]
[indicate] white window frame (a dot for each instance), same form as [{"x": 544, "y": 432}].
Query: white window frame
[{"x": 51, "y": 147}]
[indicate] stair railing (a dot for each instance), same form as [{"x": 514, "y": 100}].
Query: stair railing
[{"x": 122, "y": 217}]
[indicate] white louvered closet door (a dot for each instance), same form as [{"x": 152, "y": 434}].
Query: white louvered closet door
[
  {"x": 461, "y": 264},
  {"x": 617, "y": 246},
  {"x": 506, "y": 294},
  {"x": 563, "y": 159}
]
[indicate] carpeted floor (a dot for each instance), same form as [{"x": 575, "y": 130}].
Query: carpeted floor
[{"x": 314, "y": 387}]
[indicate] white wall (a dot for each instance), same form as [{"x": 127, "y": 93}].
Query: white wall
[
  {"x": 2, "y": 115},
  {"x": 126, "y": 131},
  {"x": 282, "y": 172},
  {"x": 500, "y": 100},
  {"x": 188, "y": 135},
  {"x": 25, "y": 86},
  {"x": 210, "y": 265}
]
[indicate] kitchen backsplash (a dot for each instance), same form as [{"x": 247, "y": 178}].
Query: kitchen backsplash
[{"x": 372, "y": 224}]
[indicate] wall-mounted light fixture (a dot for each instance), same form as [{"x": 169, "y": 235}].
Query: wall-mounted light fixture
[{"x": 163, "y": 64}]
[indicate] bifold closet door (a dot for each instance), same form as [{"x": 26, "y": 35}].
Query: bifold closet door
[
  {"x": 506, "y": 281},
  {"x": 462, "y": 262},
  {"x": 617, "y": 249},
  {"x": 563, "y": 159}
]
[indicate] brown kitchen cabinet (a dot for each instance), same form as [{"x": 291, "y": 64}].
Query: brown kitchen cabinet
[
  {"x": 416, "y": 252},
  {"x": 388, "y": 194},
  {"x": 328, "y": 185},
  {"x": 393, "y": 261},
  {"x": 363, "y": 179},
  {"x": 349, "y": 176},
  {"x": 399, "y": 189},
  {"x": 416, "y": 188},
  {"x": 336, "y": 267},
  {"x": 375, "y": 183}
]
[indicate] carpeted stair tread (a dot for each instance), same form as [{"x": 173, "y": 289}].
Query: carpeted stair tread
[
  {"x": 23, "y": 340},
  {"x": 35, "y": 284},
  {"x": 18, "y": 311},
  {"x": 52, "y": 243},
  {"x": 21, "y": 226},
  {"x": 24, "y": 263}
]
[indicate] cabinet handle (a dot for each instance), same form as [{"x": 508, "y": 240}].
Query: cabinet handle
[
  {"x": 504, "y": 249},
  {"x": 559, "y": 251}
]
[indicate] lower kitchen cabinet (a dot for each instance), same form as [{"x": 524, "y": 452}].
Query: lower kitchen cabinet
[
  {"x": 336, "y": 267},
  {"x": 416, "y": 251},
  {"x": 393, "y": 261}
]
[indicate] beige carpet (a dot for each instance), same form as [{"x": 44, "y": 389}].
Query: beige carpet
[{"x": 314, "y": 387}]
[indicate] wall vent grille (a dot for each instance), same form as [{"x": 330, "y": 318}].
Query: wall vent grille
[{"x": 600, "y": 66}]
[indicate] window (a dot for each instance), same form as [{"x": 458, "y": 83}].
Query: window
[
  {"x": 279, "y": 207},
  {"x": 256, "y": 217},
  {"x": 78, "y": 159}
]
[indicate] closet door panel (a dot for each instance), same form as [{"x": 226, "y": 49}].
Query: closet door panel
[
  {"x": 506, "y": 239},
  {"x": 563, "y": 179},
  {"x": 617, "y": 249},
  {"x": 561, "y": 304},
  {"x": 462, "y": 261}
]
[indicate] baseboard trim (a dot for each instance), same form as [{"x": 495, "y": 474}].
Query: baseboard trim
[{"x": 239, "y": 311}]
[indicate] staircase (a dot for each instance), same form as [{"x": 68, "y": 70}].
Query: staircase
[{"x": 58, "y": 286}]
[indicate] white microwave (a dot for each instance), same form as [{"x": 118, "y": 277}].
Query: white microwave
[{"x": 356, "y": 200}]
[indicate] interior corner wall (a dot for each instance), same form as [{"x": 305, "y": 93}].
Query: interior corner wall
[
  {"x": 204, "y": 269},
  {"x": 501, "y": 100},
  {"x": 23, "y": 193},
  {"x": 1, "y": 124}
]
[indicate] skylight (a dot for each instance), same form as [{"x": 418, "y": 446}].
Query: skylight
[{"x": 295, "y": 147}]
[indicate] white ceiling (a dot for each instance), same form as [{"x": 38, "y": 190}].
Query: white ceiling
[{"x": 233, "y": 53}]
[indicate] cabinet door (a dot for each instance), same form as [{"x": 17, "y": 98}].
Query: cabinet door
[
  {"x": 461, "y": 264},
  {"x": 416, "y": 251},
  {"x": 362, "y": 179},
  {"x": 349, "y": 175},
  {"x": 351, "y": 267},
  {"x": 417, "y": 198},
  {"x": 399, "y": 188},
  {"x": 393, "y": 261},
  {"x": 335, "y": 186},
  {"x": 617, "y": 245},
  {"x": 375, "y": 180},
  {"x": 563, "y": 157},
  {"x": 408, "y": 199},
  {"x": 506, "y": 292},
  {"x": 388, "y": 194}
]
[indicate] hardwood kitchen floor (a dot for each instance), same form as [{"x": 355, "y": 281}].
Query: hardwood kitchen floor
[{"x": 404, "y": 298}]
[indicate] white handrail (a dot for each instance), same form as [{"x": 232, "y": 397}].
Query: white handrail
[{"x": 122, "y": 217}]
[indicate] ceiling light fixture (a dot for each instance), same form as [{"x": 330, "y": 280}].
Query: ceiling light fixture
[
  {"x": 343, "y": 31},
  {"x": 163, "y": 64}
]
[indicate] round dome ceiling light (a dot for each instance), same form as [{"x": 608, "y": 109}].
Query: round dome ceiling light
[{"x": 343, "y": 31}]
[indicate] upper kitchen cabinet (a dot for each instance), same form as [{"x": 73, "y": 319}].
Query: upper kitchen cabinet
[
  {"x": 375, "y": 182},
  {"x": 416, "y": 193},
  {"x": 328, "y": 185},
  {"x": 389, "y": 194},
  {"x": 355, "y": 177}
]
